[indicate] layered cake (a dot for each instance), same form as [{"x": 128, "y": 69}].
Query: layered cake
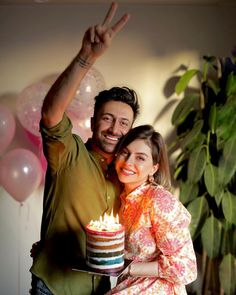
[{"x": 105, "y": 244}]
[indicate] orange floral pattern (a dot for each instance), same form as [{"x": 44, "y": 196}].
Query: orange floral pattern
[{"x": 156, "y": 225}]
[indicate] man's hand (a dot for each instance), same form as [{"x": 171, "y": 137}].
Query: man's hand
[
  {"x": 95, "y": 41},
  {"x": 98, "y": 38},
  {"x": 35, "y": 249}
]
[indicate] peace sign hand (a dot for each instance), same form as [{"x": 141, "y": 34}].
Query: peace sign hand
[{"x": 98, "y": 38}]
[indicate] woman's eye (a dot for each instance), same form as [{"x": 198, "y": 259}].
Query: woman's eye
[
  {"x": 124, "y": 153},
  {"x": 140, "y": 158}
]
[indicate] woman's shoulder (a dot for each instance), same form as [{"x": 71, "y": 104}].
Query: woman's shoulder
[
  {"x": 159, "y": 192},
  {"x": 166, "y": 202}
]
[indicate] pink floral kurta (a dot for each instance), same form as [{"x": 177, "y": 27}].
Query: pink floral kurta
[{"x": 156, "y": 226}]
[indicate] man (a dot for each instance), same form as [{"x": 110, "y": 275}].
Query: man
[{"x": 77, "y": 188}]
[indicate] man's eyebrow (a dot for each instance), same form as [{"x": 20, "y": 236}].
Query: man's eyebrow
[
  {"x": 125, "y": 119},
  {"x": 109, "y": 114}
]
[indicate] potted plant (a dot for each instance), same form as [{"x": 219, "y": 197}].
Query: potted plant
[{"x": 205, "y": 169}]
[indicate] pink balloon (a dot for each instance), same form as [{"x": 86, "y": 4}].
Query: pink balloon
[
  {"x": 83, "y": 102},
  {"x": 37, "y": 141},
  {"x": 81, "y": 127},
  {"x": 29, "y": 104},
  {"x": 43, "y": 160},
  {"x": 7, "y": 128},
  {"x": 20, "y": 173},
  {"x": 30, "y": 100}
]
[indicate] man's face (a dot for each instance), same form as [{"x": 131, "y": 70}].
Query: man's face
[{"x": 112, "y": 122}]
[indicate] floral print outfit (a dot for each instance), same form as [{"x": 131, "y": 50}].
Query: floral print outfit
[{"x": 156, "y": 226}]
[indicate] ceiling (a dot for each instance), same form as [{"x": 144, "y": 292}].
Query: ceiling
[{"x": 156, "y": 2}]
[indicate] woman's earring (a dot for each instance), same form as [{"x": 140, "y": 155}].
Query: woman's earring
[{"x": 151, "y": 178}]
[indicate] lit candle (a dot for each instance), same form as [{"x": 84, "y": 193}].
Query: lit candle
[{"x": 106, "y": 223}]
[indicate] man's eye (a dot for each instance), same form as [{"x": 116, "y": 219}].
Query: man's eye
[
  {"x": 108, "y": 119},
  {"x": 124, "y": 124}
]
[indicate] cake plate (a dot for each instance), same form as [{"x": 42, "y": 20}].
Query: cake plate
[{"x": 83, "y": 267}]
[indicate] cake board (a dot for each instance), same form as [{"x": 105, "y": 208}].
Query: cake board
[{"x": 83, "y": 267}]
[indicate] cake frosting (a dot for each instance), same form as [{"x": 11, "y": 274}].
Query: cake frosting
[{"x": 105, "y": 244}]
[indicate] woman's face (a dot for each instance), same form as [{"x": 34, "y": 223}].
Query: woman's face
[{"x": 134, "y": 163}]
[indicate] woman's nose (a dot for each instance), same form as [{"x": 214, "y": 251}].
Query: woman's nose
[{"x": 129, "y": 160}]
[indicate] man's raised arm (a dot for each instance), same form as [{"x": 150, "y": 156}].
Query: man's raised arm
[{"x": 95, "y": 42}]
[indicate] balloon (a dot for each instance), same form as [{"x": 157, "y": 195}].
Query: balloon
[
  {"x": 29, "y": 104},
  {"x": 81, "y": 127},
  {"x": 37, "y": 141},
  {"x": 30, "y": 100},
  {"x": 7, "y": 128},
  {"x": 83, "y": 102},
  {"x": 20, "y": 173},
  {"x": 43, "y": 160}
]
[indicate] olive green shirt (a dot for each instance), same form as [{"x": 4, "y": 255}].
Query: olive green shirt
[{"x": 76, "y": 191}]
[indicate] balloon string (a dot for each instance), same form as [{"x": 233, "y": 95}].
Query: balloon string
[{"x": 19, "y": 249}]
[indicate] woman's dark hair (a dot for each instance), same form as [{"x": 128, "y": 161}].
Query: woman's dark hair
[
  {"x": 159, "y": 152},
  {"x": 122, "y": 94}
]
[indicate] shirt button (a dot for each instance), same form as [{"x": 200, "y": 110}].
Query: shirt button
[{"x": 108, "y": 197}]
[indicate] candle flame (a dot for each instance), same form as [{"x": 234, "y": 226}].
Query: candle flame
[{"x": 106, "y": 222}]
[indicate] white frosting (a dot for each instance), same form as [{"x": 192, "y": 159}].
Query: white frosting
[
  {"x": 120, "y": 248},
  {"x": 105, "y": 266}
]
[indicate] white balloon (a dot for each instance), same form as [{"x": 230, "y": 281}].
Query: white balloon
[
  {"x": 29, "y": 104},
  {"x": 83, "y": 102},
  {"x": 30, "y": 100}
]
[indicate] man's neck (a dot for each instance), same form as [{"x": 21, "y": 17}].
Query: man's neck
[{"x": 108, "y": 157}]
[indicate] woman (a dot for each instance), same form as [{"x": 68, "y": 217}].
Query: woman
[{"x": 156, "y": 223}]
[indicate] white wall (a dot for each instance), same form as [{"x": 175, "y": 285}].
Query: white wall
[{"x": 38, "y": 41}]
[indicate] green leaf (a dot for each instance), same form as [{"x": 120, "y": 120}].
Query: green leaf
[
  {"x": 199, "y": 211},
  {"x": 211, "y": 179},
  {"x": 227, "y": 163},
  {"x": 212, "y": 84},
  {"x": 196, "y": 142},
  {"x": 218, "y": 197},
  {"x": 211, "y": 236},
  {"x": 183, "y": 109},
  {"x": 184, "y": 81},
  {"x": 188, "y": 192},
  {"x": 227, "y": 273},
  {"x": 229, "y": 207},
  {"x": 225, "y": 244},
  {"x": 196, "y": 164},
  {"x": 193, "y": 134},
  {"x": 226, "y": 120},
  {"x": 231, "y": 84},
  {"x": 178, "y": 170},
  {"x": 212, "y": 118},
  {"x": 228, "y": 238}
]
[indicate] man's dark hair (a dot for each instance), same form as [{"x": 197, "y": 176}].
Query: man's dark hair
[{"x": 122, "y": 94}]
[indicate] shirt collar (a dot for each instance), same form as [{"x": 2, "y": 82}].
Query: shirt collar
[
  {"x": 137, "y": 192},
  {"x": 108, "y": 158}
]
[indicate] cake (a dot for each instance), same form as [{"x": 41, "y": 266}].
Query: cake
[{"x": 105, "y": 244}]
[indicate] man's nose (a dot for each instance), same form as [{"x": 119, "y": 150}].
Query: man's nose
[{"x": 115, "y": 127}]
